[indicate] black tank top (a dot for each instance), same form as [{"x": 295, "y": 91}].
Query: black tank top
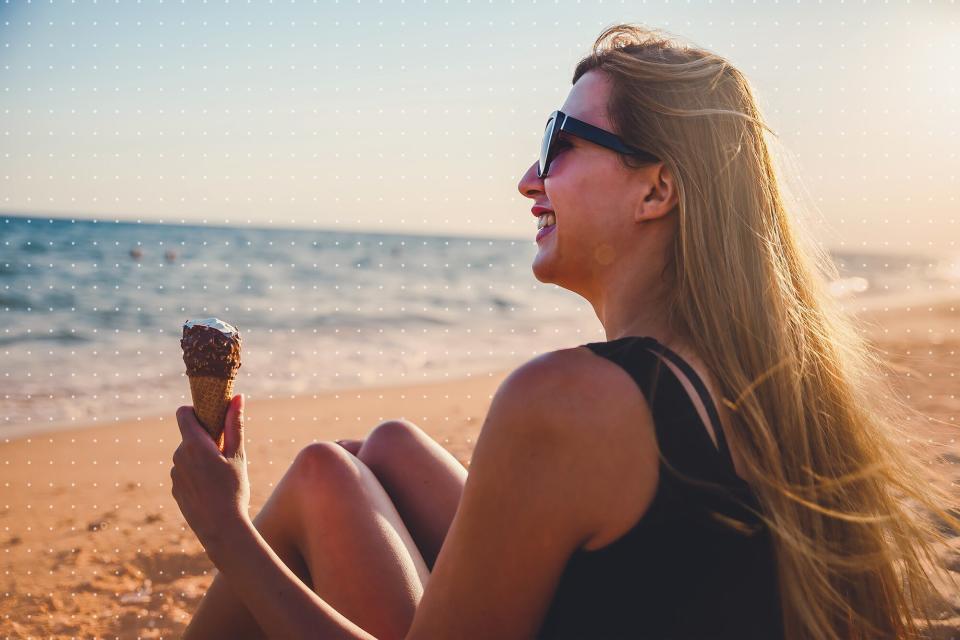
[{"x": 678, "y": 574}]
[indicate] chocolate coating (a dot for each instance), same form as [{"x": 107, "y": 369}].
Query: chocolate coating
[{"x": 210, "y": 352}]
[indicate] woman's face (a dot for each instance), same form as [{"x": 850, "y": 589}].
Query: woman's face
[{"x": 594, "y": 197}]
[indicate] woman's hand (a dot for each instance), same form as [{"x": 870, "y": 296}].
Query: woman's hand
[{"x": 211, "y": 487}]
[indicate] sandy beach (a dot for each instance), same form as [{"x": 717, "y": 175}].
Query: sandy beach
[{"x": 95, "y": 546}]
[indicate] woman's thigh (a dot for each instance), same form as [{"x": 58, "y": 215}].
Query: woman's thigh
[{"x": 424, "y": 480}]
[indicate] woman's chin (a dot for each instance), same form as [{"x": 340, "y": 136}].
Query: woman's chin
[
  {"x": 540, "y": 278},
  {"x": 545, "y": 262},
  {"x": 542, "y": 270}
]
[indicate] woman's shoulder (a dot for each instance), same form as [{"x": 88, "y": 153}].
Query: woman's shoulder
[
  {"x": 581, "y": 384},
  {"x": 595, "y": 408},
  {"x": 575, "y": 370}
]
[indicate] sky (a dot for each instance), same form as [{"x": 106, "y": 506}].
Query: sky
[{"x": 420, "y": 116}]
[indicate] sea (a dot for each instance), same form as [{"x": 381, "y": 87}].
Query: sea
[{"x": 92, "y": 310}]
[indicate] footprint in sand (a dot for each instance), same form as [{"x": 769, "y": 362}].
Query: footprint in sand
[
  {"x": 163, "y": 567},
  {"x": 67, "y": 556},
  {"x": 100, "y": 523}
]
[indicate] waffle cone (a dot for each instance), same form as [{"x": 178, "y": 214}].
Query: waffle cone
[{"x": 211, "y": 397}]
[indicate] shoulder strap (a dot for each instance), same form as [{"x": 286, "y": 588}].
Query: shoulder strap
[
  {"x": 672, "y": 407},
  {"x": 702, "y": 391}
]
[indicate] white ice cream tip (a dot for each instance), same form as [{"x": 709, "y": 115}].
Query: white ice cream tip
[{"x": 213, "y": 323}]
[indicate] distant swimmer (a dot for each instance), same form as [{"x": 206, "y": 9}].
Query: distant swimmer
[
  {"x": 170, "y": 255},
  {"x": 136, "y": 253}
]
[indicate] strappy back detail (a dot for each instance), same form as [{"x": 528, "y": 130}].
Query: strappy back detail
[
  {"x": 638, "y": 355},
  {"x": 701, "y": 389}
]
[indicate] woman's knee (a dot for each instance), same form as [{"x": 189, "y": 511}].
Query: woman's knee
[
  {"x": 388, "y": 439},
  {"x": 325, "y": 465}
]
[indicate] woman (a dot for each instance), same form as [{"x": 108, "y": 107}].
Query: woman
[{"x": 720, "y": 467}]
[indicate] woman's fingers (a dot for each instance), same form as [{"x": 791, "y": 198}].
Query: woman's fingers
[{"x": 353, "y": 446}]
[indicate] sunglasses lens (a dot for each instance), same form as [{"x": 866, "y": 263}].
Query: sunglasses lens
[{"x": 545, "y": 146}]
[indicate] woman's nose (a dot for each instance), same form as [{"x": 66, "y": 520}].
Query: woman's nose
[{"x": 530, "y": 184}]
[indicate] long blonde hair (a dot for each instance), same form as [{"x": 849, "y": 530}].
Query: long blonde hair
[{"x": 815, "y": 420}]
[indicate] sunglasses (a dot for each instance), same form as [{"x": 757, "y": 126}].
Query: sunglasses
[{"x": 559, "y": 121}]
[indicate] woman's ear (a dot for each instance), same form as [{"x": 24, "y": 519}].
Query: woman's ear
[{"x": 658, "y": 197}]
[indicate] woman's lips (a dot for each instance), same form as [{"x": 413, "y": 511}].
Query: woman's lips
[{"x": 545, "y": 231}]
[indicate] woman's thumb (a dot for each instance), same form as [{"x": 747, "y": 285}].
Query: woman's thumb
[{"x": 233, "y": 427}]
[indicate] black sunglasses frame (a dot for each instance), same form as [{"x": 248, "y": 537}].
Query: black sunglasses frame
[{"x": 585, "y": 130}]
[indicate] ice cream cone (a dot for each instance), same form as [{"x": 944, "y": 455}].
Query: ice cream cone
[
  {"x": 211, "y": 352},
  {"x": 211, "y": 397}
]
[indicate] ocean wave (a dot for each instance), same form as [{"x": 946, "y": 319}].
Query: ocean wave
[
  {"x": 846, "y": 287},
  {"x": 366, "y": 320},
  {"x": 15, "y": 302},
  {"x": 33, "y": 246},
  {"x": 503, "y": 304},
  {"x": 946, "y": 270},
  {"x": 62, "y": 336},
  {"x": 61, "y": 299},
  {"x": 8, "y": 270}
]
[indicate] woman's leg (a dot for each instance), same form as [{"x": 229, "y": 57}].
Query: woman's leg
[
  {"x": 220, "y": 613},
  {"x": 330, "y": 509},
  {"x": 424, "y": 480}
]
